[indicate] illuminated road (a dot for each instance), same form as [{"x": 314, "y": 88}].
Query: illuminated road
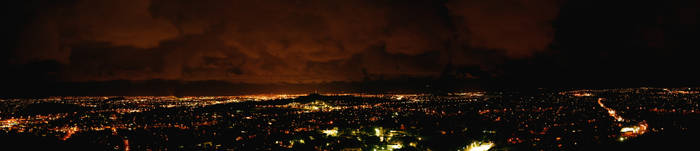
[
  {"x": 612, "y": 112},
  {"x": 629, "y": 131}
]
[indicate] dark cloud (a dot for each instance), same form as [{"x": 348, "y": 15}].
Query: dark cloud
[
  {"x": 245, "y": 41},
  {"x": 54, "y": 30},
  {"x": 312, "y": 41},
  {"x": 520, "y": 27}
]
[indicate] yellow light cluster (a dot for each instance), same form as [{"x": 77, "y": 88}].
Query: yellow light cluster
[
  {"x": 479, "y": 146},
  {"x": 330, "y": 132}
]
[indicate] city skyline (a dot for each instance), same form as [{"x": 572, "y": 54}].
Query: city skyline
[
  {"x": 581, "y": 119},
  {"x": 349, "y": 75}
]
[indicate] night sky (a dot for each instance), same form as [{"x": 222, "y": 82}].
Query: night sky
[{"x": 227, "y": 47}]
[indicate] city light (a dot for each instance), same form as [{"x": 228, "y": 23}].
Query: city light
[
  {"x": 612, "y": 112},
  {"x": 342, "y": 122},
  {"x": 479, "y": 146},
  {"x": 395, "y": 146},
  {"x": 331, "y": 132}
]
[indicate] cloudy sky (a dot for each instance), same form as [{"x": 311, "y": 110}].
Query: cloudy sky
[{"x": 354, "y": 41}]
